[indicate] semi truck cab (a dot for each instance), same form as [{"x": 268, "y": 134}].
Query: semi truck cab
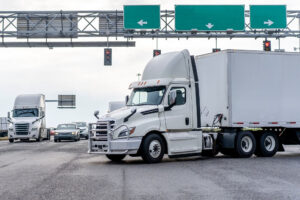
[
  {"x": 160, "y": 115},
  {"x": 28, "y": 118}
]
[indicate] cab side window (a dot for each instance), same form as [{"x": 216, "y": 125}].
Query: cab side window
[{"x": 180, "y": 95}]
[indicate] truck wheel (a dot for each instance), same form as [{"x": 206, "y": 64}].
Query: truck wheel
[
  {"x": 153, "y": 149},
  {"x": 116, "y": 157},
  {"x": 245, "y": 144},
  {"x": 55, "y": 140},
  {"x": 213, "y": 152},
  {"x": 268, "y": 144},
  {"x": 11, "y": 140},
  {"x": 38, "y": 139}
]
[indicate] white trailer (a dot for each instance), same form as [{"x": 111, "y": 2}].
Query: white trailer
[
  {"x": 250, "y": 96},
  {"x": 28, "y": 118}
]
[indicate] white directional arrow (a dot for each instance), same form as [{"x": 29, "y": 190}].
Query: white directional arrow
[
  {"x": 269, "y": 22},
  {"x": 209, "y": 25},
  {"x": 142, "y": 22}
]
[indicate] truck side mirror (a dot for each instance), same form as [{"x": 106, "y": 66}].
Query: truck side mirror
[
  {"x": 126, "y": 99},
  {"x": 42, "y": 114},
  {"x": 96, "y": 113},
  {"x": 172, "y": 98}
]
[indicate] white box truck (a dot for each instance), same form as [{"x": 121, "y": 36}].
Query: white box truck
[
  {"x": 237, "y": 102},
  {"x": 28, "y": 118}
]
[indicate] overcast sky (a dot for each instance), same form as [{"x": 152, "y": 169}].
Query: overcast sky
[{"x": 80, "y": 71}]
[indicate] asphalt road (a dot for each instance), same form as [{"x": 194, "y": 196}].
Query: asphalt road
[{"x": 48, "y": 170}]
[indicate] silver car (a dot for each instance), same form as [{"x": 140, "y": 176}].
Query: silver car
[
  {"x": 67, "y": 132},
  {"x": 83, "y": 129}
]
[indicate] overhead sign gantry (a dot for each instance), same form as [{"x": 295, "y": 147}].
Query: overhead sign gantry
[{"x": 67, "y": 28}]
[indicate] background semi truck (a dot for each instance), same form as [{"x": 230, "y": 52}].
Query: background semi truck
[
  {"x": 28, "y": 118},
  {"x": 238, "y": 102}
]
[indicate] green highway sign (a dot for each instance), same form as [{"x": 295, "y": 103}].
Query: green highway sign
[
  {"x": 141, "y": 16},
  {"x": 209, "y": 17},
  {"x": 268, "y": 16}
]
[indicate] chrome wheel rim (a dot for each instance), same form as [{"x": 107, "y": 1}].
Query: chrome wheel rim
[
  {"x": 155, "y": 149},
  {"x": 269, "y": 143},
  {"x": 246, "y": 144}
]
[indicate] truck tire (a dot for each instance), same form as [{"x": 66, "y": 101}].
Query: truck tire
[
  {"x": 153, "y": 148},
  {"x": 116, "y": 157},
  {"x": 11, "y": 140},
  {"x": 39, "y": 139},
  {"x": 211, "y": 153},
  {"x": 245, "y": 144},
  {"x": 268, "y": 145}
]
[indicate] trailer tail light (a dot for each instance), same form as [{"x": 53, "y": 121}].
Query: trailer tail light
[
  {"x": 291, "y": 122},
  {"x": 274, "y": 123},
  {"x": 239, "y": 123},
  {"x": 254, "y": 122}
]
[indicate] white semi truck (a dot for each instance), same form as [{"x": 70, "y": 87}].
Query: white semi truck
[
  {"x": 237, "y": 102},
  {"x": 28, "y": 118}
]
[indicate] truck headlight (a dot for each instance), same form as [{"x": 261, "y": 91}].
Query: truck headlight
[
  {"x": 125, "y": 133},
  {"x": 73, "y": 133},
  {"x": 11, "y": 129}
]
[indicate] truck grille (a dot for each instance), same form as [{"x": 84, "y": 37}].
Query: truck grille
[
  {"x": 101, "y": 129},
  {"x": 22, "y": 129}
]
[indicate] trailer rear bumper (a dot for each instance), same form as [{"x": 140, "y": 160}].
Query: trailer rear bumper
[{"x": 118, "y": 146}]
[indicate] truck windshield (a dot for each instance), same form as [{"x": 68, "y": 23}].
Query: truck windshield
[
  {"x": 146, "y": 96},
  {"x": 31, "y": 112},
  {"x": 66, "y": 126}
]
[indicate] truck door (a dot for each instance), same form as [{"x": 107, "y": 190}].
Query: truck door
[
  {"x": 179, "y": 117},
  {"x": 180, "y": 136}
]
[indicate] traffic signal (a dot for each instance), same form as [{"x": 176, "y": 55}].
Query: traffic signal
[
  {"x": 156, "y": 52},
  {"x": 108, "y": 56},
  {"x": 267, "y": 45},
  {"x": 216, "y": 50}
]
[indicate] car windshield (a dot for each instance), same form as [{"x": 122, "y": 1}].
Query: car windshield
[
  {"x": 81, "y": 124},
  {"x": 146, "y": 96},
  {"x": 66, "y": 126},
  {"x": 31, "y": 112}
]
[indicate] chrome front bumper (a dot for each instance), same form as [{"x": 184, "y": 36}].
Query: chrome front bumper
[
  {"x": 118, "y": 146},
  {"x": 100, "y": 143}
]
